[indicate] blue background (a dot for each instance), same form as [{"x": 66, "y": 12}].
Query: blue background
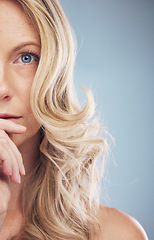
[{"x": 116, "y": 59}]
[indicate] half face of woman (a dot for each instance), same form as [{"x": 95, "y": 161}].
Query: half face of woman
[{"x": 19, "y": 57}]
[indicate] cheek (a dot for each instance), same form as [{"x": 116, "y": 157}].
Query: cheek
[
  {"x": 32, "y": 130},
  {"x": 31, "y": 122},
  {"x": 23, "y": 92},
  {"x": 26, "y": 72},
  {"x": 23, "y": 80}
]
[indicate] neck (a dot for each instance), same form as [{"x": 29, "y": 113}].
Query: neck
[{"x": 30, "y": 154}]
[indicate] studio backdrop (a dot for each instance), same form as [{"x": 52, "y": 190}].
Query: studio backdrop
[{"x": 115, "y": 58}]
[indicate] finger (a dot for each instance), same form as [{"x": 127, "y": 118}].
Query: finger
[
  {"x": 4, "y": 159},
  {"x": 5, "y": 193},
  {"x": 11, "y": 127},
  {"x": 10, "y": 158},
  {"x": 18, "y": 157},
  {"x": 10, "y": 165},
  {"x": 15, "y": 177}
]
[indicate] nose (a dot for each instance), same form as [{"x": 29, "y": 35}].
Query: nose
[{"x": 4, "y": 84}]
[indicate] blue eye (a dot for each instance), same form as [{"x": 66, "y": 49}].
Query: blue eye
[{"x": 26, "y": 58}]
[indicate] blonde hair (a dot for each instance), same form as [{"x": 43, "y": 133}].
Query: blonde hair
[{"x": 60, "y": 196}]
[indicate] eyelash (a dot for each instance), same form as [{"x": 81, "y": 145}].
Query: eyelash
[{"x": 33, "y": 55}]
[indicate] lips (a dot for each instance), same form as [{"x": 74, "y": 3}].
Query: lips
[{"x": 9, "y": 117}]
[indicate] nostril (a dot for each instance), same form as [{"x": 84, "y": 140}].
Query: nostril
[
  {"x": 4, "y": 92},
  {"x": 6, "y": 97}
]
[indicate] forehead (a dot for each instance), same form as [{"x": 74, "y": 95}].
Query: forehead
[{"x": 14, "y": 22}]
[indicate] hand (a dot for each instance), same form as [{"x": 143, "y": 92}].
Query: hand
[
  {"x": 10, "y": 158},
  {"x": 5, "y": 195},
  {"x": 11, "y": 163}
]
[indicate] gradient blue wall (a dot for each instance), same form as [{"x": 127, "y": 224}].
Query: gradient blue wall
[{"x": 116, "y": 59}]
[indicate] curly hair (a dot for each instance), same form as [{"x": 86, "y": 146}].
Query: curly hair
[{"x": 60, "y": 195}]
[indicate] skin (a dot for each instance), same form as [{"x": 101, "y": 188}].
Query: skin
[
  {"x": 19, "y": 137},
  {"x": 116, "y": 225}
]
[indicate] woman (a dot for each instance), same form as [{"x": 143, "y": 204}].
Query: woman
[{"x": 49, "y": 149}]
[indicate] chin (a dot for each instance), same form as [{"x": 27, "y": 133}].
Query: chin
[{"x": 20, "y": 140}]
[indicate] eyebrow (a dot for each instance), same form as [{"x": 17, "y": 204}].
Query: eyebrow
[{"x": 24, "y": 44}]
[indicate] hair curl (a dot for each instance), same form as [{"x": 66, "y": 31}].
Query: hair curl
[{"x": 60, "y": 195}]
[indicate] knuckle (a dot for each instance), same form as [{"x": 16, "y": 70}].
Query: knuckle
[
  {"x": 3, "y": 140},
  {"x": 3, "y": 156},
  {"x": 2, "y": 133}
]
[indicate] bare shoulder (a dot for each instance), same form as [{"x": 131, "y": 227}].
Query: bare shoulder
[{"x": 116, "y": 225}]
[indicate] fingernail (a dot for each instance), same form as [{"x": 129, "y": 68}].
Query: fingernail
[
  {"x": 22, "y": 169},
  {"x": 19, "y": 179}
]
